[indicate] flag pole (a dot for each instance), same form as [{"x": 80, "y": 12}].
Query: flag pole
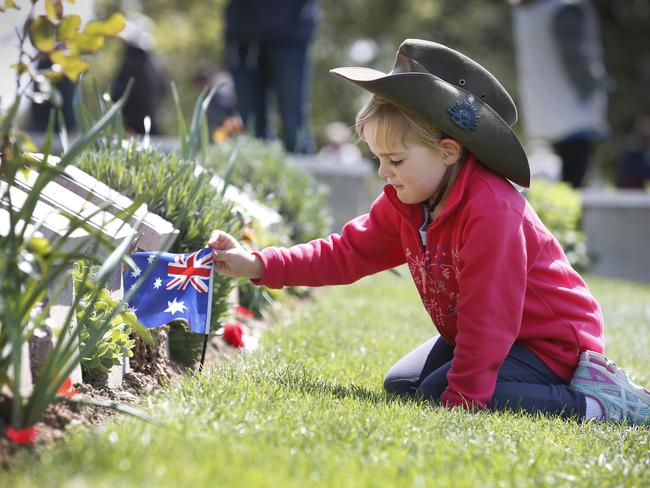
[
  {"x": 205, "y": 346},
  {"x": 208, "y": 316}
]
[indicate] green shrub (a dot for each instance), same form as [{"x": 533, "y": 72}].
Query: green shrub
[
  {"x": 133, "y": 170},
  {"x": 94, "y": 309},
  {"x": 263, "y": 170},
  {"x": 559, "y": 207}
]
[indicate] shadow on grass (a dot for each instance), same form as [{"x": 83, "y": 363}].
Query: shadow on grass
[{"x": 303, "y": 382}]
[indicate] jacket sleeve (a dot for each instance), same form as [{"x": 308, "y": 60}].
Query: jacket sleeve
[
  {"x": 368, "y": 244},
  {"x": 493, "y": 274}
]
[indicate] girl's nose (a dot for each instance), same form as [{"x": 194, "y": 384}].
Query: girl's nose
[{"x": 383, "y": 171}]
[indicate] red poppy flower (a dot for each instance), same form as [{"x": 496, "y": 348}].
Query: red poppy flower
[
  {"x": 232, "y": 334},
  {"x": 244, "y": 312},
  {"x": 28, "y": 435},
  {"x": 66, "y": 389}
]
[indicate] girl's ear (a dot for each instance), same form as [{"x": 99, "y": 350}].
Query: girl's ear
[{"x": 451, "y": 151}]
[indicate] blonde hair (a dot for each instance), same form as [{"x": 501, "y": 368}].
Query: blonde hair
[{"x": 396, "y": 126}]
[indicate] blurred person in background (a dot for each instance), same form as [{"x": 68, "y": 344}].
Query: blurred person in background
[
  {"x": 221, "y": 113},
  {"x": 563, "y": 84},
  {"x": 141, "y": 110},
  {"x": 267, "y": 43},
  {"x": 633, "y": 162}
]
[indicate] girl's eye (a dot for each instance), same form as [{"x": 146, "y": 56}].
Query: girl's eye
[{"x": 396, "y": 163}]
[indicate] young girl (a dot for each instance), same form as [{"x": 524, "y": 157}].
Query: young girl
[{"x": 518, "y": 326}]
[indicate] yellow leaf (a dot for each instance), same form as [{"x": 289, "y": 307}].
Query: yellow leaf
[
  {"x": 52, "y": 75},
  {"x": 69, "y": 27},
  {"x": 10, "y": 4},
  {"x": 27, "y": 143},
  {"x": 109, "y": 27},
  {"x": 86, "y": 43},
  {"x": 72, "y": 66},
  {"x": 39, "y": 245},
  {"x": 42, "y": 33},
  {"x": 20, "y": 68},
  {"x": 54, "y": 9}
]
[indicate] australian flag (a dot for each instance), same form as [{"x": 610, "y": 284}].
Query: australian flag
[{"x": 175, "y": 286}]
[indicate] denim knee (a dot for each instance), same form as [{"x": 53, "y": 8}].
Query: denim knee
[
  {"x": 399, "y": 385},
  {"x": 431, "y": 390}
]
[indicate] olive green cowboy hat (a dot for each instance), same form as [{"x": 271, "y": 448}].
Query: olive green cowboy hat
[{"x": 456, "y": 94}]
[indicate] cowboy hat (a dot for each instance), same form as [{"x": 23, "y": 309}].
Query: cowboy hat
[{"x": 458, "y": 95}]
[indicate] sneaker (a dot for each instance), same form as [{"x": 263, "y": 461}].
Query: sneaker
[{"x": 608, "y": 384}]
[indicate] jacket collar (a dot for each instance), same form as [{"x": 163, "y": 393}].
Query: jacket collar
[{"x": 413, "y": 212}]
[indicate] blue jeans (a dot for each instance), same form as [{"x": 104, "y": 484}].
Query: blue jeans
[
  {"x": 524, "y": 381},
  {"x": 261, "y": 68}
]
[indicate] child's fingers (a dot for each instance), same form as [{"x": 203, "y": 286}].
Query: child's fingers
[
  {"x": 220, "y": 267},
  {"x": 216, "y": 237},
  {"x": 221, "y": 255}
]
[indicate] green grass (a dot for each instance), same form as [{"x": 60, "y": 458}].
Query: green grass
[{"x": 308, "y": 409}]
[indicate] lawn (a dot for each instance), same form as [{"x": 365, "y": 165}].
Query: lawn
[{"x": 308, "y": 409}]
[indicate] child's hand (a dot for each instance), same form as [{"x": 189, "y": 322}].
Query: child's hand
[{"x": 230, "y": 259}]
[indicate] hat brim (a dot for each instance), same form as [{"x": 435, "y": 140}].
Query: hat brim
[{"x": 493, "y": 142}]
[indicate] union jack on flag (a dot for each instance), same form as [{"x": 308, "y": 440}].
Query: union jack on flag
[
  {"x": 187, "y": 269},
  {"x": 171, "y": 287}
]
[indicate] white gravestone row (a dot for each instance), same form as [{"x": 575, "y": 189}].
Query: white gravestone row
[{"x": 77, "y": 193}]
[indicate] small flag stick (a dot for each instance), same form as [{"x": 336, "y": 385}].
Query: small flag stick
[{"x": 205, "y": 346}]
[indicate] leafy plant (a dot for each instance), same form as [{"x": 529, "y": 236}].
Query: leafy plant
[
  {"x": 37, "y": 265},
  {"x": 559, "y": 207},
  {"x": 33, "y": 269},
  {"x": 116, "y": 342}
]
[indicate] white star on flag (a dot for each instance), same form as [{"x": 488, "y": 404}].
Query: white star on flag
[
  {"x": 157, "y": 284},
  {"x": 173, "y": 307},
  {"x": 136, "y": 272},
  {"x": 151, "y": 258}
]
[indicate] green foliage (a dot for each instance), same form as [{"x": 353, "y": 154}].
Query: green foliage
[
  {"x": 185, "y": 347},
  {"x": 169, "y": 181},
  {"x": 115, "y": 343},
  {"x": 308, "y": 409},
  {"x": 559, "y": 207},
  {"x": 263, "y": 170},
  {"x": 34, "y": 270}
]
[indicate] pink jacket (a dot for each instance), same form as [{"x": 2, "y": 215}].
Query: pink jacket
[{"x": 490, "y": 274}]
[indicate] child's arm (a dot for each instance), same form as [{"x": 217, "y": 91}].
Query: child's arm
[
  {"x": 231, "y": 259},
  {"x": 367, "y": 244}
]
